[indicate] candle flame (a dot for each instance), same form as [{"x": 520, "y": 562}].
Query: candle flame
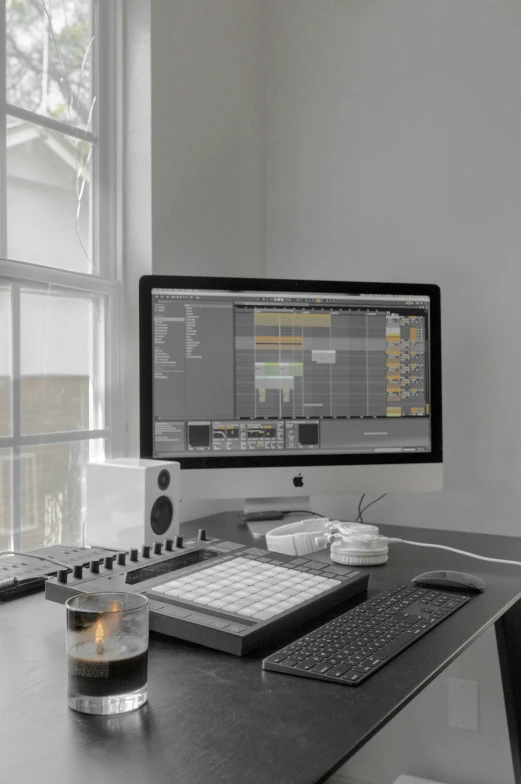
[
  {"x": 99, "y": 635},
  {"x": 109, "y": 626}
]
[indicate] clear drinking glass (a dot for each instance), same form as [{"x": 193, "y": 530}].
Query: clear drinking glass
[{"x": 107, "y": 652}]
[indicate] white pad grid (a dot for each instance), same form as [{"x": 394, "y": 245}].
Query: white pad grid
[{"x": 247, "y": 588}]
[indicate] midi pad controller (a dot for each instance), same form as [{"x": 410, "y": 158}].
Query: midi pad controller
[{"x": 223, "y": 595}]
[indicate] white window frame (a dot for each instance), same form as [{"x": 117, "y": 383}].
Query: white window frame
[{"x": 105, "y": 280}]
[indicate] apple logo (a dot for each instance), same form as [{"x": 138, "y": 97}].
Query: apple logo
[{"x": 298, "y": 481}]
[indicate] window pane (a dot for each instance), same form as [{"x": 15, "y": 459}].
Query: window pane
[
  {"x": 62, "y": 381},
  {"x": 5, "y": 361},
  {"x": 49, "y": 58},
  {"x": 53, "y": 493},
  {"x": 48, "y": 197},
  {"x": 6, "y": 498}
]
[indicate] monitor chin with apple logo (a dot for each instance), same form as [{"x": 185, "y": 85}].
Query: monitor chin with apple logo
[{"x": 252, "y": 384}]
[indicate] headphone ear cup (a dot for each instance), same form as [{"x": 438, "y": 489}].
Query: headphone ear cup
[
  {"x": 359, "y": 560},
  {"x": 350, "y": 529},
  {"x": 360, "y": 550}
]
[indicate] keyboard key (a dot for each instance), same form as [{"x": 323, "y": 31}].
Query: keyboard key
[
  {"x": 352, "y": 677},
  {"x": 451, "y": 605},
  {"x": 339, "y": 670},
  {"x": 321, "y": 669},
  {"x": 395, "y": 645},
  {"x": 307, "y": 664}
]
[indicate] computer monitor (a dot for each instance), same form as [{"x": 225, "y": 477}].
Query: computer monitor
[{"x": 270, "y": 389}]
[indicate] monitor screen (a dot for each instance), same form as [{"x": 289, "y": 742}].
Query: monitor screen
[{"x": 234, "y": 375}]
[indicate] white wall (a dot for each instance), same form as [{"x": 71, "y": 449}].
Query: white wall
[
  {"x": 208, "y": 150},
  {"x": 137, "y": 206},
  {"x": 393, "y": 154},
  {"x": 195, "y": 155}
]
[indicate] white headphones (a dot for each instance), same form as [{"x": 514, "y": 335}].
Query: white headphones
[
  {"x": 305, "y": 536},
  {"x": 358, "y": 548},
  {"x": 352, "y": 544}
]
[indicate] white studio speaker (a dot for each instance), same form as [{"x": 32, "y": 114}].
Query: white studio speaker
[{"x": 132, "y": 502}]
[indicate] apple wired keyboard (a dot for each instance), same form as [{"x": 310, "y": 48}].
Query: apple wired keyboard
[
  {"x": 223, "y": 595},
  {"x": 350, "y": 648}
]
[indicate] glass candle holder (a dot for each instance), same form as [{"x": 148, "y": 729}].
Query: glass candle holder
[{"x": 107, "y": 652}]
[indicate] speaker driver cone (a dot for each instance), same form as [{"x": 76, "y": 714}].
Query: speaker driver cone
[
  {"x": 161, "y": 515},
  {"x": 163, "y": 480}
]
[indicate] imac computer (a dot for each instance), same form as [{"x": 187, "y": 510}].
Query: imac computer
[{"x": 275, "y": 390}]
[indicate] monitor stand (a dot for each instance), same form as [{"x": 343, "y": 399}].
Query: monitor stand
[{"x": 265, "y": 513}]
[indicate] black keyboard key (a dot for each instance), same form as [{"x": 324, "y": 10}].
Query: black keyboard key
[
  {"x": 339, "y": 670},
  {"x": 412, "y": 619},
  {"x": 307, "y": 664},
  {"x": 372, "y": 662},
  {"x": 321, "y": 669},
  {"x": 362, "y": 668},
  {"x": 332, "y": 662},
  {"x": 352, "y": 677},
  {"x": 351, "y": 662},
  {"x": 277, "y": 658},
  {"x": 395, "y": 645}
]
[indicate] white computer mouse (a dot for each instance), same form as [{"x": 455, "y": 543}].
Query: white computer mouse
[{"x": 449, "y": 579}]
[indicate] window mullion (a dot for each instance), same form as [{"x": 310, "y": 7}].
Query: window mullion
[
  {"x": 57, "y": 277},
  {"x": 65, "y": 437},
  {"x": 3, "y": 118},
  {"x": 105, "y": 74},
  {"x": 16, "y": 415}
]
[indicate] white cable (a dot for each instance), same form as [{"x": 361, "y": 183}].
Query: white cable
[{"x": 454, "y": 550}]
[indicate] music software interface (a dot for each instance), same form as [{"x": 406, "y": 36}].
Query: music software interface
[{"x": 289, "y": 373}]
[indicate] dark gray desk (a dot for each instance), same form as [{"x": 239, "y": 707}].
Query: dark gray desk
[{"x": 216, "y": 718}]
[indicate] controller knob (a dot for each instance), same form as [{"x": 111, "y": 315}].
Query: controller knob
[
  {"x": 134, "y": 554},
  {"x": 179, "y": 541},
  {"x": 78, "y": 571},
  {"x": 202, "y": 535},
  {"x": 94, "y": 567},
  {"x": 108, "y": 562},
  {"x": 62, "y": 575},
  {"x": 122, "y": 557},
  {"x": 168, "y": 545},
  {"x": 157, "y": 548},
  {"x": 146, "y": 551}
]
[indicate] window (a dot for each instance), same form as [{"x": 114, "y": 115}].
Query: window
[{"x": 59, "y": 289}]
